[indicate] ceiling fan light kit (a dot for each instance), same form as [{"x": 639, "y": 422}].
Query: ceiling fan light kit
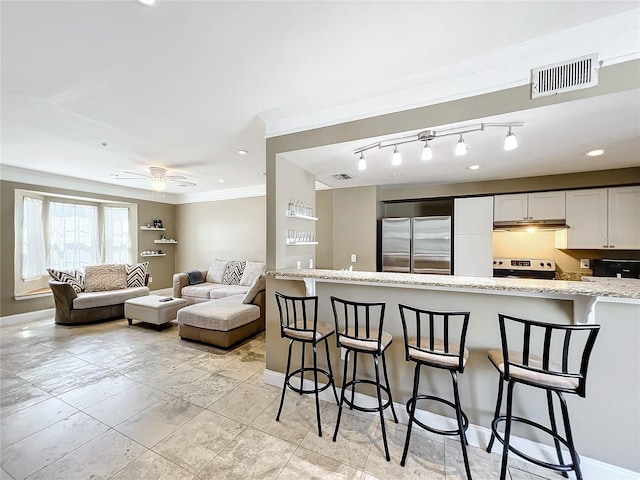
[{"x": 510, "y": 142}]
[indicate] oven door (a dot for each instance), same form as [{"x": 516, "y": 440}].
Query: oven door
[{"x": 514, "y": 273}]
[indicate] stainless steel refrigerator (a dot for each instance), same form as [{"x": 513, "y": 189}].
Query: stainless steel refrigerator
[{"x": 417, "y": 245}]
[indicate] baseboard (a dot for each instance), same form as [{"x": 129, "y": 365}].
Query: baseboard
[
  {"x": 476, "y": 435},
  {"x": 27, "y": 317}
]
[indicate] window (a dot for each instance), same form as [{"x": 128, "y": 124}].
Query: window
[
  {"x": 33, "y": 249},
  {"x": 73, "y": 235},
  {"x": 68, "y": 233},
  {"x": 117, "y": 239}
]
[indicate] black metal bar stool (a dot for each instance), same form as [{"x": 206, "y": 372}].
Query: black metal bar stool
[
  {"x": 299, "y": 323},
  {"x": 432, "y": 343},
  {"x": 361, "y": 332},
  {"x": 560, "y": 367}
]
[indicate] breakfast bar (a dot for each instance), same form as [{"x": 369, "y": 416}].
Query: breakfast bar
[{"x": 611, "y": 408}]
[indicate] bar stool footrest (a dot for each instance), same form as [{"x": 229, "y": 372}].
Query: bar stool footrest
[
  {"x": 465, "y": 420},
  {"x": 306, "y": 391},
  {"x": 365, "y": 409},
  {"x": 552, "y": 466}
]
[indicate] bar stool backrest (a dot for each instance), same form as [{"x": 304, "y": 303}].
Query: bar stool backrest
[
  {"x": 358, "y": 321},
  {"x": 560, "y": 353},
  {"x": 297, "y": 314},
  {"x": 430, "y": 325}
]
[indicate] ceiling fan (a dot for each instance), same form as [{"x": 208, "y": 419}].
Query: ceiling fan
[{"x": 159, "y": 178}]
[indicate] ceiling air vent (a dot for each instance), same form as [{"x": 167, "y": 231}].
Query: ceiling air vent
[
  {"x": 342, "y": 176},
  {"x": 565, "y": 76}
]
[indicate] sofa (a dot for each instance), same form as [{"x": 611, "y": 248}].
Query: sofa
[
  {"x": 97, "y": 294},
  {"x": 222, "y": 311}
]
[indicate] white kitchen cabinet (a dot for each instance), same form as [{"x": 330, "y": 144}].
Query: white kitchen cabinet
[
  {"x": 529, "y": 206},
  {"x": 473, "y": 236},
  {"x": 603, "y": 218}
]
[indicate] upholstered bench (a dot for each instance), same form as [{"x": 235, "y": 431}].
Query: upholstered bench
[
  {"x": 150, "y": 309},
  {"x": 222, "y": 322}
]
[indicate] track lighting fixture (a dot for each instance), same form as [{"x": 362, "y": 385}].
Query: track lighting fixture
[
  {"x": 510, "y": 141},
  {"x": 396, "y": 158},
  {"x": 426, "y": 136},
  {"x": 461, "y": 147},
  {"x": 362, "y": 163},
  {"x": 427, "y": 154}
]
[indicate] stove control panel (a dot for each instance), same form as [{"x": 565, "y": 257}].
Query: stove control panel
[{"x": 539, "y": 264}]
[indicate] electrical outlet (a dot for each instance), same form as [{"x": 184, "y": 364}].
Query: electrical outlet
[
  {"x": 343, "y": 353},
  {"x": 353, "y": 258},
  {"x": 150, "y": 279},
  {"x": 584, "y": 263}
]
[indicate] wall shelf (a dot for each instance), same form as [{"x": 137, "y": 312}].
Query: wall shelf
[
  {"x": 301, "y": 243},
  {"x": 302, "y": 217},
  {"x": 142, "y": 227},
  {"x": 165, "y": 241},
  {"x": 153, "y": 254}
]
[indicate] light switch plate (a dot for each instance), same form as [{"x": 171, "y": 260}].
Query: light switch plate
[
  {"x": 584, "y": 263},
  {"x": 353, "y": 258},
  {"x": 150, "y": 279}
]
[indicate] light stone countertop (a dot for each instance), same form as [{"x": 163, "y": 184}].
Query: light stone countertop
[{"x": 612, "y": 288}]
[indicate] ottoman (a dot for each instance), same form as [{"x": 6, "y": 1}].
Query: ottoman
[{"x": 150, "y": 309}]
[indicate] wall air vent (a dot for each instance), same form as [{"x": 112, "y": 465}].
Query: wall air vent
[
  {"x": 342, "y": 176},
  {"x": 565, "y": 76}
]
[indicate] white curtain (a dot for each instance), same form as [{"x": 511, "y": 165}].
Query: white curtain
[
  {"x": 73, "y": 236},
  {"x": 117, "y": 239},
  {"x": 33, "y": 249}
]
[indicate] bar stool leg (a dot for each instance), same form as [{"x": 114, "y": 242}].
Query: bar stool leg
[
  {"x": 286, "y": 380},
  {"x": 497, "y": 412},
  {"x": 315, "y": 381},
  {"x": 333, "y": 383},
  {"x": 507, "y": 433},
  {"x": 344, "y": 382},
  {"x": 386, "y": 379},
  {"x": 463, "y": 436},
  {"x": 412, "y": 412},
  {"x": 575, "y": 459},
  {"x": 554, "y": 429},
  {"x": 384, "y": 431},
  {"x": 353, "y": 377},
  {"x": 302, "y": 369}
]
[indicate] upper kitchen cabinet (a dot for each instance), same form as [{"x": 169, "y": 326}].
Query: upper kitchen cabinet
[
  {"x": 603, "y": 218},
  {"x": 529, "y": 206}
]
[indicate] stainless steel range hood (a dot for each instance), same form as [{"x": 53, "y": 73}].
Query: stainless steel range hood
[{"x": 530, "y": 225}]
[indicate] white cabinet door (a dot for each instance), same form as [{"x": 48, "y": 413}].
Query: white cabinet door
[
  {"x": 587, "y": 218},
  {"x": 546, "y": 206},
  {"x": 624, "y": 218},
  {"x": 473, "y": 237},
  {"x": 510, "y": 207}
]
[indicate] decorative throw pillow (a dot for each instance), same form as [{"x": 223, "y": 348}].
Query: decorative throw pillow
[
  {"x": 233, "y": 273},
  {"x": 215, "y": 274},
  {"x": 259, "y": 285},
  {"x": 75, "y": 278},
  {"x": 136, "y": 274},
  {"x": 252, "y": 270},
  {"x": 100, "y": 278}
]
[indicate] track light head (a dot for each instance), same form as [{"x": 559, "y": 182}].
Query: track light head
[
  {"x": 427, "y": 154},
  {"x": 510, "y": 141},
  {"x": 396, "y": 158},
  {"x": 362, "y": 163},
  {"x": 461, "y": 148}
]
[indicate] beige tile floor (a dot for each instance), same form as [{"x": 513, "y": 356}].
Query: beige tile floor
[{"x": 112, "y": 401}]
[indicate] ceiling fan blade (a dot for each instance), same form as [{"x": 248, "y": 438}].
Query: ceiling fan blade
[
  {"x": 185, "y": 184},
  {"x": 126, "y": 178},
  {"x": 136, "y": 173},
  {"x": 175, "y": 177}
]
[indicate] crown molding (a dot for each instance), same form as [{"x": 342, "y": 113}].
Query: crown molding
[
  {"x": 228, "y": 194},
  {"x": 616, "y": 39}
]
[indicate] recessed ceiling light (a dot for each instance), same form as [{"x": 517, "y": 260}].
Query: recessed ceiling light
[
  {"x": 396, "y": 174},
  {"x": 595, "y": 153},
  {"x": 474, "y": 167},
  {"x": 146, "y": 3},
  {"x": 222, "y": 180},
  {"x": 243, "y": 152}
]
